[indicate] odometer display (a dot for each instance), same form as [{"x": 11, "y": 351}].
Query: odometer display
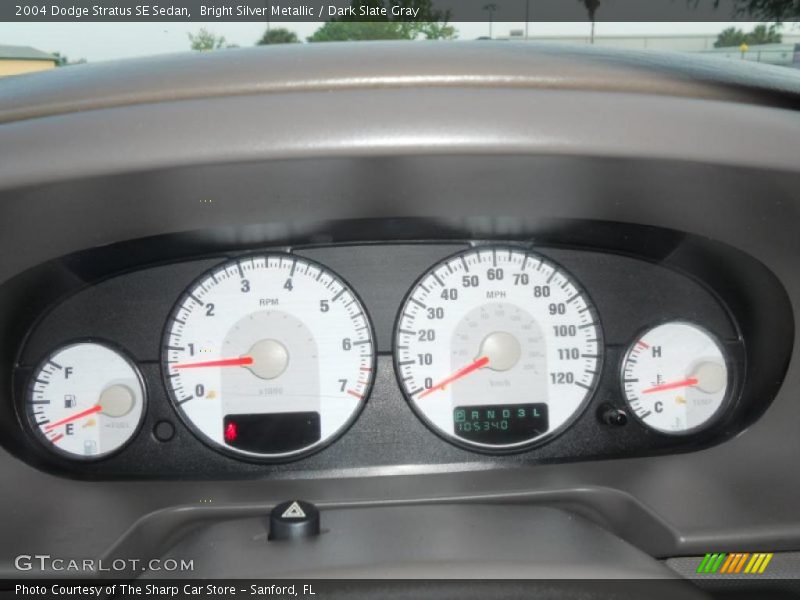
[
  {"x": 490, "y": 334},
  {"x": 268, "y": 356}
]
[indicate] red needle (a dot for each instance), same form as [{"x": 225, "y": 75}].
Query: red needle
[
  {"x": 80, "y": 415},
  {"x": 671, "y": 386},
  {"x": 225, "y": 362},
  {"x": 478, "y": 364}
]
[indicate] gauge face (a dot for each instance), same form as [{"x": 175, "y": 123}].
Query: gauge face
[
  {"x": 268, "y": 357},
  {"x": 675, "y": 378},
  {"x": 497, "y": 348},
  {"x": 85, "y": 401}
]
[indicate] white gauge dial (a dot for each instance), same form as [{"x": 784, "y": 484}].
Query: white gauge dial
[
  {"x": 269, "y": 356},
  {"x": 497, "y": 348},
  {"x": 85, "y": 401},
  {"x": 675, "y": 378}
]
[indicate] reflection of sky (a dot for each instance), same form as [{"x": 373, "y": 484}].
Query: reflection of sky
[{"x": 103, "y": 41}]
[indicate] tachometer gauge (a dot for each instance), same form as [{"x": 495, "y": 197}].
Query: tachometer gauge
[
  {"x": 497, "y": 348},
  {"x": 268, "y": 357},
  {"x": 85, "y": 401},
  {"x": 675, "y": 378}
]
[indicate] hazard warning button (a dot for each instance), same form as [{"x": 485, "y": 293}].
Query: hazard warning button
[{"x": 293, "y": 519}]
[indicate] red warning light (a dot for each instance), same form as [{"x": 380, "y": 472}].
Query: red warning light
[{"x": 231, "y": 432}]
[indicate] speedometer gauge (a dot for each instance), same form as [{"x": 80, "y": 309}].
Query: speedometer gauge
[
  {"x": 497, "y": 348},
  {"x": 269, "y": 356}
]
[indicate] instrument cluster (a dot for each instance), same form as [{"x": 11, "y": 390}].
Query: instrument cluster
[{"x": 497, "y": 348}]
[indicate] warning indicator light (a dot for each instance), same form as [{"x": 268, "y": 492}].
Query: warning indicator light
[{"x": 231, "y": 432}]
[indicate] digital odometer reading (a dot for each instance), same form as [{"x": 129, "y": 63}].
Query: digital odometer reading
[
  {"x": 498, "y": 424},
  {"x": 268, "y": 356},
  {"x": 503, "y": 328}
]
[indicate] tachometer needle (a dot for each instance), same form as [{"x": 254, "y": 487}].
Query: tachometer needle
[
  {"x": 478, "y": 364},
  {"x": 671, "y": 386},
  {"x": 75, "y": 417},
  {"x": 242, "y": 361}
]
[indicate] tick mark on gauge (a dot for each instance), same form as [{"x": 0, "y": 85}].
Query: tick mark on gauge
[
  {"x": 438, "y": 279},
  {"x": 338, "y": 295},
  {"x": 583, "y": 385},
  {"x": 418, "y": 303},
  {"x": 355, "y": 394},
  {"x": 55, "y": 364},
  {"x": 196, "y": 299},
  {"x": 185, "y": 400}
]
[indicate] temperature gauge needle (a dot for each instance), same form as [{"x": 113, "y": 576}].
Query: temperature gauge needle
[
  {"x": 671, "y": 386},
  {"x": 463, "y": 372},
  {"x": 75, "y": 417},
  {"x": 242, "y": 361}
]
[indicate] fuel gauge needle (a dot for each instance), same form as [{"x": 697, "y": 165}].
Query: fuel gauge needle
[
  {"x": 242, "y": 361},
  {"x": 463, "y": 372},
  {"x": 671, "y": 386},
  {"x": 75, "y": 417}
]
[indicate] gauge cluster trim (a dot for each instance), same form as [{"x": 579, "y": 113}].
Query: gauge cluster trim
[{"x": 366, "y": 444}]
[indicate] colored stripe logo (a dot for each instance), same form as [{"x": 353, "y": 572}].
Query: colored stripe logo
[{"x": 735, "y": 563}]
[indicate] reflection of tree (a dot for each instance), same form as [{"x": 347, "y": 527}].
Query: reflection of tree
[
  {"x": 281, "y": 35},
  {"x": 430, "y": 23},
  {"x": 591, "y": 8},
  {"x": 761, "y": 34},
  {"x": 766, "y": 10},
  {"x": 205, "y": 40}
]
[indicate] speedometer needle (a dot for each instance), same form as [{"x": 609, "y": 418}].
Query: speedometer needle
[
  {"x": 242, "y": 361},
  {"x": 464, "y": 371},
  {"x": 75, "y": 417},
  {"x": 671, "y": 386}
]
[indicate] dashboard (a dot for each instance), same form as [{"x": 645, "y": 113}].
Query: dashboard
[{"x": 415, "y": 285}]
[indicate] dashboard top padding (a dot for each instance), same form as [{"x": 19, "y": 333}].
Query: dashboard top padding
[{"x": 342, "y": 66}]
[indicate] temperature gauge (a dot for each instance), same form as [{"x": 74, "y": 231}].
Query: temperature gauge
[
  {"x": 675, "y": 378},
  {"x": 85, "y": 401}
]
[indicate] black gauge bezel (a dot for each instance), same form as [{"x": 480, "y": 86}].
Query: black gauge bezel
[
  {"x": 32, "y": 428},
  {"x": 548, "y": 436},
  {"x": 730, "y": 390},
  {"x": 252, "y": 456}
]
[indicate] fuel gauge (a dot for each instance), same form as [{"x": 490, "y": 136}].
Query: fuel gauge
[
  {"x": 675, "y": 378},
  {"x": 85, "y": 401}
]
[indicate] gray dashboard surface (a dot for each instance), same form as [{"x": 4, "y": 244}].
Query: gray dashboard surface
[
  {"x": 672, "y": 161},
  {"x": 449, "y": 541}
]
